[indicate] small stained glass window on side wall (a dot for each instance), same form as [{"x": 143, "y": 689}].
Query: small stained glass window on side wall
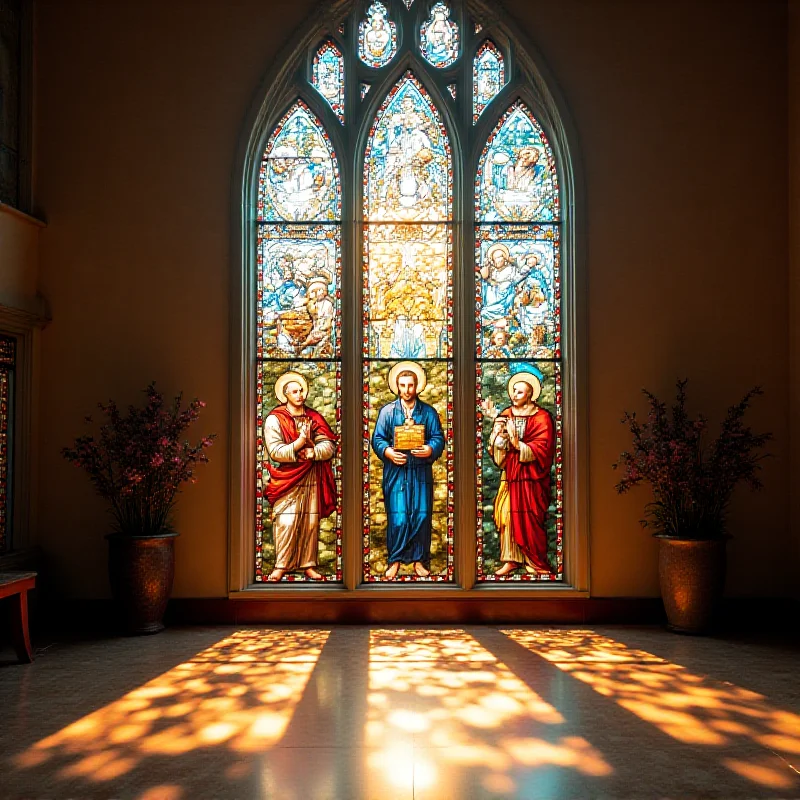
[
  {"x": 327, "y": 73},
  {"x": 439, "y": 37},
  {"x": 377, "y": 37},
  {"x": 11, "y": 97},
  {"x": 298, "y": 370},
  {"x": 8, "y": 349},
  {"x": 407, "y": 344},
  {"x": 488, "y": 77},
  {"x": 519, "y": 418}
]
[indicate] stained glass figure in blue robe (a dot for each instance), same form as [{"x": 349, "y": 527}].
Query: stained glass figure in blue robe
[{"x": 408, "y": 473}]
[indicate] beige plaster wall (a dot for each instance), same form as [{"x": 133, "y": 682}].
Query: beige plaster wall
[
  {"x": 19, "y": 260},
  {"x": 680, "y": 110}
]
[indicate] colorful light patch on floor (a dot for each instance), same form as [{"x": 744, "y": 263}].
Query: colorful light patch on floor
[{"x": 688, "y": 707}]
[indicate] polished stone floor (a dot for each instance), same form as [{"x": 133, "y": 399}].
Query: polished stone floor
[{"x": 357, "y": 712}]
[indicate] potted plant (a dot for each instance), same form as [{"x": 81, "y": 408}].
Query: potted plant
[
  {"x": 692, "y": 483},
  {"x": 138, "y": 463}
]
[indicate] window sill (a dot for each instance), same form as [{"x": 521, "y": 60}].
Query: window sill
[
  {"x": 21, "y": 215},
  {"x": 302, "y": 592}
]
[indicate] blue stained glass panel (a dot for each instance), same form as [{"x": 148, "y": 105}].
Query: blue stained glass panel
[
  {"x": 518, "y": 285},
  {"x": 299, "y": 177},
  {"x": 327, "y": 75},
  {"x": 488, "y": 77},
  {"x": 377, "y": 37},
  {"x": 408, "y": 162},
  {"x": 517, "y": 179},
  {"x": 439, "y": 37},
  {"x": 299, "y": 294}
]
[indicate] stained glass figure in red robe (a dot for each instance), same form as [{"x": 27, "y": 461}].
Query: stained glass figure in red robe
[
  {"x": 301, "y": 488},
  {"x": 522, "y": 444}
]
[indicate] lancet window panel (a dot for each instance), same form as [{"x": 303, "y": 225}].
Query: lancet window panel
[
  {"x": 298, "y": 375},
  {"x": 328, "y": 76},
  {"x": 407, "y": 316},
  {"x": 488, "y": 77},
  {"x": 519, "y": 396}
]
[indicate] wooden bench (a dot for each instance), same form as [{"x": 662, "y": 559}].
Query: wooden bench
[{"x": 16, "y": 586}]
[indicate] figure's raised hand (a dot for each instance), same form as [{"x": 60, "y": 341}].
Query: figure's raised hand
[
  {"x": 489, "y": 408},
  {"x": 395, "y": 456}
]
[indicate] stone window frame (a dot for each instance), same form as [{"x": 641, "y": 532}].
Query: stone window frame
[{"x": 528, "y": 79}]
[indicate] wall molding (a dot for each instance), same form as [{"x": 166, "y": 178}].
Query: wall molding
[{"x": 758, "y": 614}]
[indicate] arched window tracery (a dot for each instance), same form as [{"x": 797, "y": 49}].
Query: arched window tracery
[{"x": 416, "y": 87}]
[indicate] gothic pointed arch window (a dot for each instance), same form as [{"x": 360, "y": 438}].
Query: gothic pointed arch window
[{"x": 408, "y": 380}]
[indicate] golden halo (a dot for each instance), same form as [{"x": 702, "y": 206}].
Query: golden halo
[
  {"x": 530, "y": 379},
  {"x": 491, "y": 251},
  {"x": 408, "y": 366},
  {"x": 288, "y": 377}
]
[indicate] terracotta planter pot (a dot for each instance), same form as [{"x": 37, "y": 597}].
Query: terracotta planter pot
[
  {"x": 141, "y": 570},
  {"x": 692, "y": 577}
]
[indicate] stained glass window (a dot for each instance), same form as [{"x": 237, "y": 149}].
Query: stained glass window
[
  {"x": 488, "y": 77},
  {"x": 298, "y": 380},
  {"x": 7, "y": 365},
  {"x": 408, "y": 241},
  {"x": 518, "y": 350},
  {"x": 12, "y": 97},
  {"x": 377, "y": 37},
  {"x": 380, "y": 293},
  {"x": 328, "y": 77},
  {"x": 439, "y": 37}
]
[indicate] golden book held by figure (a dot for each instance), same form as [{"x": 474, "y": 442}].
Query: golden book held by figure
[{"x": 409, "y": 436}]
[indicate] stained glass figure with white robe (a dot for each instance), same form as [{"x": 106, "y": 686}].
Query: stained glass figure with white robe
[{"x": 301, "y": 488}]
